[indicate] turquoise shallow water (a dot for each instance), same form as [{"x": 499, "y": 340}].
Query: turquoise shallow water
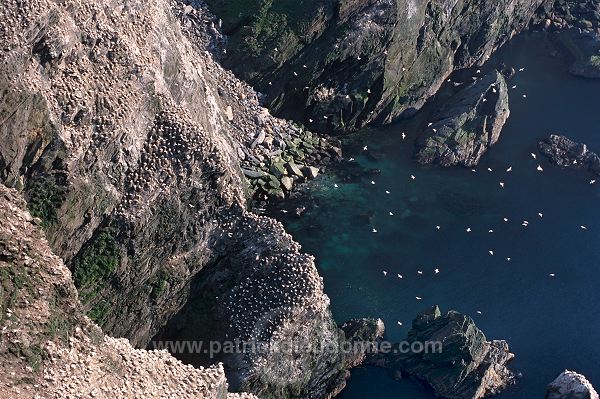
[{"x": 550, "y": 323}]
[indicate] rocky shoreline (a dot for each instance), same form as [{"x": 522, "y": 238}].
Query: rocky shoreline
[{"x": 138, "y": 155}]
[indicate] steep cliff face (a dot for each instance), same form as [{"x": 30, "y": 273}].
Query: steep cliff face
[
  {"x": 349, "y": 63},
  {"x": 49, "y": 348},
  {"x": 467, "y": 125},
  {"x": 125, "y": 137}
]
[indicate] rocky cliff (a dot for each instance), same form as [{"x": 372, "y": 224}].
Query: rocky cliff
[
  {"x": 341, "y": 64},
  {"x": 49, "y": 348},
  {"x": 467, "y": 125},
  {"x": 464, "y": 366},
  {"x": 125, "y": 137}
]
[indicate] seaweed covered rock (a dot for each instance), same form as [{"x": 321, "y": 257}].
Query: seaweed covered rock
[{"x": 467, "y": 125}]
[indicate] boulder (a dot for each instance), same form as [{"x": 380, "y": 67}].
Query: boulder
[
  {"x": 287, "y": 183},
  {"x": 294, "y": 169},
  {"x": 277, "y": 169},
  {"x": 570, "y": 385},
  {"x": 310, "y": 172}
]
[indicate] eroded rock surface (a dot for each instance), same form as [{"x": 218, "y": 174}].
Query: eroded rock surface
[
  {"x": 467, "y": 366},
  {"x": 567, "y": 153},
  {"x": 571, "y": 385},
  {"x": 339, "y": 65},
  {"x": 126, "y": 137},
  {"x": 467, "y": 125},
  {"x": 49, "y": 348}
]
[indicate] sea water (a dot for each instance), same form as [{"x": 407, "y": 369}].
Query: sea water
[{"x": 550, "y": 323}]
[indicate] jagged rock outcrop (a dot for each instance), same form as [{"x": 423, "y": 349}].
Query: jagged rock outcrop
[
  {"x": 569, "y": 154},
  {"x": 349, "y": 63},
  {"x": 125, "y": 137},
  {"x": 467, "y": 125},
  {"x": 452, "y": 356},
  {"x": 49, "y": 348},
  {"x": 570, "y": 385}
]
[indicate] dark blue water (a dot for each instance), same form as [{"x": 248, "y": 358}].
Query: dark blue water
[{"x": 551, "y": 323}]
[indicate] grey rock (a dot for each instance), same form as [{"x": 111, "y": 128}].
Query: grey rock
[
  {"x": 467, "y": 125},
  {"x": 294, "y": 169},
  {"x": 253, "y": 174},
  {"x": 570, "y": 154},
  {"x": 260, "y": 138},
  {"x": 570, "y": 385},
  {"x": 287, "y": 183},
  {"x": 277, "y": 169},
  {"x": 466, "y": 366}
]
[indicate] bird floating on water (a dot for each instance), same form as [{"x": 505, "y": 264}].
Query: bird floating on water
[
  {"x": 387, "y": 192},
  {"x": 583, "y": 227},
  {"x": 552, "y": 275},
  {"x": 509, "y": 169},
  {"x": 491, "y": 253},
  {"x": 399, "y": 323},
  {"x": 438, "y": 227},
  {"x": 399, "y": 275},
  {"x": 479, "y": 312},
  {"x": 490, "y": 170},
  {"x": 540, "y": 214},
  {"x": 505, "y": 219},
  {"x": 366, "y": 148},
  {"x": 335, "y": 185},
  {"x": 413, "y": 177},
  {"x": 372, "y": 182},
  {"x": 391, "y": 213},
  {"x": 374, "y": 230},
  {"x": 540, "y": 169},
  {"x": 502, "y": 184},
  {"x": 437, "y": 271},
  {"x": 419, "y": 272},
  {"x": 533, "y": 156},
  {"x": 384, "y": 273},
  {"x": 468, "y": 230},
  {"x": 418, "y": 298}
]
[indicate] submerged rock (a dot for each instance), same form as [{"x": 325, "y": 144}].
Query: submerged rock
[
  {"x": 467, "y": 125},
  {"x": 568, "y": 153},
  {"x": 584, "y": 51},
  {"x": 570, "y": 385},
  {"x": 455, "y": 360}
]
